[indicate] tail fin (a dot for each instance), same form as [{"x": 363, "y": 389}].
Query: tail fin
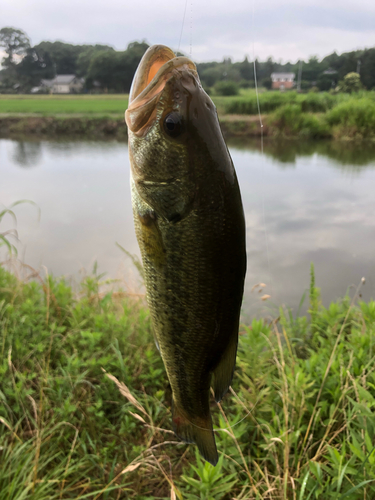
[{"x": 198, "y": 431}]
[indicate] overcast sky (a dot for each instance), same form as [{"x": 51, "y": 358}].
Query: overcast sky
[{"x": 283, "y": 29}]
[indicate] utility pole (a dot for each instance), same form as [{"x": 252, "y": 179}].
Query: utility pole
[
  {"x": 299, "y": 76},
  {"x": 359, "y": 66}
]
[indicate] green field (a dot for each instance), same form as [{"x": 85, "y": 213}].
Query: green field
[
  {"x": 298, "y": 424},
  {"x": 56, "y": 105}
]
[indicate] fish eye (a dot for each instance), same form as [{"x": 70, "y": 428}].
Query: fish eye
[{"x": 173, "y": 125}]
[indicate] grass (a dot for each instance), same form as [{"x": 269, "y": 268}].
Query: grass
[
  {"x": 353, "y": 119},
  {"x": 85, "y": 407},
  {"x": 270, "y": 101},
  {"x": 290, "y": 121},
  {"x": 70, "y": 104}
]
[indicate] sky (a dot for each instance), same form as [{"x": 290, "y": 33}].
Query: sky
[{"x": 287, "y": 30}]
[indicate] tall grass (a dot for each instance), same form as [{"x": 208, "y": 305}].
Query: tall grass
[
  {"x": 353, "y": 119},
  {"x": 290, "y": 120},
  {"x": 270, "y": 101},
  {"x": 298, "y": 424}
]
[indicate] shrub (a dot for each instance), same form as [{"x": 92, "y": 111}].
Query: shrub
[
  {"x": 350, "y": 83},
  {"x": 289, "y": 120},
  {"x": 270, "y": 101},
  {"x": 226, "y": 87},
  {"x": 355, "y": 117},
  {"x": 317, "y": 103}
]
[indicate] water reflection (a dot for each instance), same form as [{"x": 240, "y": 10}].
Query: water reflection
[
  {"x": 346, "y": 154},
  {"x": 27, "y": 153},
  {"x": 301, "y": 206}
]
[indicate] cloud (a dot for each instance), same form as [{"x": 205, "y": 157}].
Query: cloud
[{"x": 286, "y": 30}]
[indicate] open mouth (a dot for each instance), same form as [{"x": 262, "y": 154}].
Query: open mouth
[{"x": 157, "y": 66}]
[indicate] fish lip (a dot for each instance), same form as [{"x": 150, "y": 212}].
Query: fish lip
[
  {"x": 141, "y": 93},
  {"x": 158, "y": 66}
]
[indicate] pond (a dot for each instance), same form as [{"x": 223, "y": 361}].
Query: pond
[{"x": 303, "y": 202}]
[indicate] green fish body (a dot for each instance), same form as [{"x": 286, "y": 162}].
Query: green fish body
[{"x": 190, "y": 227}]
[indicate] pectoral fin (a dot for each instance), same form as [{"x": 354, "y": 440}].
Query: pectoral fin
[{"x": 151, "y": 238}]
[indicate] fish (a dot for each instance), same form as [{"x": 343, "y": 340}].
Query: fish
[{"x": 190, "y": 226}]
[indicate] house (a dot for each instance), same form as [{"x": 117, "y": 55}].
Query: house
[
  {"x": 61, "y": 84},
  {"x": 282, "y": 81},
  {"x": 67, "y": 84}
]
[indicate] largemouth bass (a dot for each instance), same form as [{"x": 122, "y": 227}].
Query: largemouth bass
[{"x": 190, "y": 227}]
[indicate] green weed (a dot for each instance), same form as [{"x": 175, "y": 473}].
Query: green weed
[
  {"x": 85, "y": 404},
  {"x": 353, "y": 119},
  {"x": 289, "y": 120}
]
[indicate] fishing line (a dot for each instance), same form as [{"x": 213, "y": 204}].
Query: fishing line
[
  {"x": 182, "y": 27},
  {"x": 191, "y": 29},
  {"x": 262, "y": 151},
  {"x": 242, "y": 419},
  {"x": 231, "y": 426}
]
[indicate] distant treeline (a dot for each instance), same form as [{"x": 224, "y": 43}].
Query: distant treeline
[{"x": 106, "y": 69}]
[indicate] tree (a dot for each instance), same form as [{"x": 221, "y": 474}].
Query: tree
[
  {"x": 103, "y": 68},
  {"x": 33, "y": 68},
  {"x": 63, "y": 55},
  {"x": 269, "y": 68},
  {"x": 210, "y": 76},
  {"x": 15, "y": 42},
  {"x": 312, "y": 69},
  {"x": 115, "y": 70},
  {"x": 246, "y": 69},
  {"x": 368, "y": 68},
  {"x": 327, "y": 81},
  {"x": 84, "y": 58},
  {"x": 350, "y": 83}
]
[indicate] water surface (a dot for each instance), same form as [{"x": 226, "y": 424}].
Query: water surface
[{"x": 303, "y": 202}]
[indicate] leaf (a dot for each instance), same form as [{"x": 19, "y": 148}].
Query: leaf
[
  {"x": 341, "y": 477},
  {"x": 316, "y": 470},
  {"x": 303, "y": 486},
  {"x": 364, "y": 394},
  {"x": 352, "y": 490},
  {"x": 361, "y": 408}
]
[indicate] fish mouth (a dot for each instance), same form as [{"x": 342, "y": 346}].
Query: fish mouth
[{"x": 158, "y": 65}]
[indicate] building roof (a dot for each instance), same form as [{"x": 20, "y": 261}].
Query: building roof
[
  {"x": 283, "y": 75},
  {"x": 63, "y": 79}
]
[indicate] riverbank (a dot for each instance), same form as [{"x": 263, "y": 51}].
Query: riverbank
[
  {"x": 286, "y": 123},
  {"x": 86, "y": 407},
  {"x": 68, "y": 126},
  {"x": 104, "y": 127},
  {"x": 286, "y": 115}
]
